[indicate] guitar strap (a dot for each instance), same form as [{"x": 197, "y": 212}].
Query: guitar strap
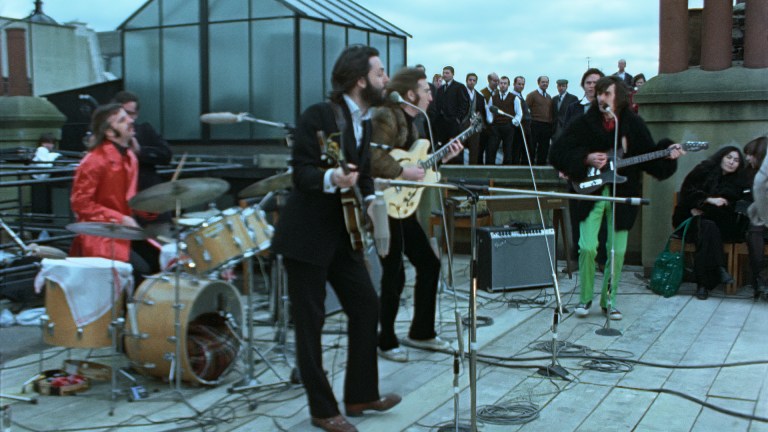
[{"x": 341, "y": 123}]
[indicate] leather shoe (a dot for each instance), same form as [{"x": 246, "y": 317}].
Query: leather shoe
[
  {"x": 384, "y": 403},
  {"x": 702, "y": 293},
  {"x": 334, "y": 424}
]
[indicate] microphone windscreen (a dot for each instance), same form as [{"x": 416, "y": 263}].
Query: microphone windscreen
[
  {"x": 494, "y": 109},
  {"x": 395, "y": 97},
  {"x": 220, "y": 118}
]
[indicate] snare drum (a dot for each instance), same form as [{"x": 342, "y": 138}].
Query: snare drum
[
  {"x": 259, "y": 230},
  {"x": 208, "y": 346},
  {"x": 218, "y": 242}
]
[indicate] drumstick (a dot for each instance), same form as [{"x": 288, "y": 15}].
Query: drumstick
[{"x": 178, "y": 168}]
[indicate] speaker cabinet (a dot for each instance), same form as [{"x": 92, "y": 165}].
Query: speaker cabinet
[{"x": 508, "y": 259}]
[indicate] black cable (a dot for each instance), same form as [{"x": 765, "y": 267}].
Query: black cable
[{"x": 512, "y": 413}]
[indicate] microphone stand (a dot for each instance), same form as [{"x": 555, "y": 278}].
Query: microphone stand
[
  {"x": 448, "y": 247},
  {"x": 554, "y": 368},
  {"x": 606, "y": 330}
]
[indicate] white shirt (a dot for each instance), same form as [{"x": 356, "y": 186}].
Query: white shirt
[
  {"x": 358, "y": 117},
  {"x": 42, "y": 154}
]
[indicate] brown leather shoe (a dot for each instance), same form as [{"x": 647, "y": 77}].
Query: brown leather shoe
[
  {"x": 334, "y": 424},
  {"x": 384, "y": 403}
]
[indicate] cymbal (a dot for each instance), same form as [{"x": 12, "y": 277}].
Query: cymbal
[
  {"x": 104, "y": 229},
  {"x": 269, "y": 184},
  {"x": 188, "y": 192},
  {"x": 40, "y": 251}
]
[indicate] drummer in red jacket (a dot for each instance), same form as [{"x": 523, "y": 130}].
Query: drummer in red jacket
[{"x": 104, "y": 182}]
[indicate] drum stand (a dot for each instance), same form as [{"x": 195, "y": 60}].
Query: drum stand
[{"x": 249, "y": 381}]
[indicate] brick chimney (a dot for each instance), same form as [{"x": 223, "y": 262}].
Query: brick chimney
[{"x": 18, "y": 81}]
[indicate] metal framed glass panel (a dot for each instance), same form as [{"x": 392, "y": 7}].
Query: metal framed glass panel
[
  {"x": 396, "y": 54},
  {"x": 228, "y": 70},
  {"x": 149, "y": 16},
  {"x": 335, "y": 42},
  {"x": 273, "y": 74},
  {"x": 269, "y": 9},
  {"x": 311, "y": 55},
  {"x": 177, "y": 12},
  {"x": 226, "y": 10},
  {"x": 355, "y": 36},
  {"x": 379, "y": 41},
  {"x": 181, "y": 82},
  {"x": 142, "y": 71}
]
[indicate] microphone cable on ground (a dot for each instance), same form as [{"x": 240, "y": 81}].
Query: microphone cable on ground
[{"x": 510, "y": 413}]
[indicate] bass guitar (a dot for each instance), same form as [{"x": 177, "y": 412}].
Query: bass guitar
[
  {"x": 403, "y": 201},
  {"x": 597, "y": 178},
  {"x": 356, "y": 221}
]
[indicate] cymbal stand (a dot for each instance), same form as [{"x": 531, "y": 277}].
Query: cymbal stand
[
  {"x": 117, "y": 326},
  {"x": 249, "y": 381}
]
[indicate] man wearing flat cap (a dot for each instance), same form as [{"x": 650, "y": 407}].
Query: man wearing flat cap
[{"x": 560, "y": 107}]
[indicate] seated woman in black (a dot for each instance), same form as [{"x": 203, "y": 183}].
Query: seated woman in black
[{"x": 709, "y": 193}]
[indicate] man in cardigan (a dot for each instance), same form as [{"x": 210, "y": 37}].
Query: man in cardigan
[
  {"x": 503, "y": 127},
  {"x": 312, "y": 236},
  {"x": 586, "y": 144},
  {"x": 540, "y": 104}
]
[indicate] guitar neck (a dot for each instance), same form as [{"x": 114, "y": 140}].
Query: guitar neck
[
  {"x": 643, "y": 158},
  {"x": 434, "y": 159}
]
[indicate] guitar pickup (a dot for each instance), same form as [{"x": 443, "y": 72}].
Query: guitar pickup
[{"x": 589, "y": 184}]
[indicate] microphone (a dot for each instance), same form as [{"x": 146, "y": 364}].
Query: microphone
[
  {"x": 380, "y": 224},
  {"x": 637, "y": 201},
  {"x": 495, "y": 110},
  {"x": 396, "y": 98},
  {"x": 221, "y": 118},
  {"x": 229, "y": 118}
]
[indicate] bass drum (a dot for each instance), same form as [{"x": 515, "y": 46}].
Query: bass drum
[{"x": 211, "y": 309}]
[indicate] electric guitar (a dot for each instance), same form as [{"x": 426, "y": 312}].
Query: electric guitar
[
  {"x": 403, "y": 201},
  {"x": 597, "y": 178},
  {"x": 355, "y": 219}
]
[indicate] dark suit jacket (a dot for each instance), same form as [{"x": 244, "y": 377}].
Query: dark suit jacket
[
  {"x": 574, "y": 111},
  {"x": 312, "y": 222},
  {"x": 452, "y": 104},
  {"x": 154, "y": 151},
  {"x": 628, "y": 78},
  {"x": 560, "y": 115}
]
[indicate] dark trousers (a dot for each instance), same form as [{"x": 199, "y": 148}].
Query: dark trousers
[
  {"x": 447, "y": 129},
  {"x": 709, "y": 256},
  {"x": 306, "y": 289},
  {"x": 502, "y": 135},
  {"x": 541, "y": 133},
  {"x": 519, "y": 155},
  {"x": 407, "y": 237},
  {"x": 485, "y": 137},
  {"x": 755, "y": 246}
]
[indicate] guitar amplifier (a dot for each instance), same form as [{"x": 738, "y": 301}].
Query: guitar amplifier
[{"x": 509, "y": 259}]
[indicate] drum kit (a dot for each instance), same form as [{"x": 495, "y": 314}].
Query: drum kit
[{"x": 184, "y": 323}]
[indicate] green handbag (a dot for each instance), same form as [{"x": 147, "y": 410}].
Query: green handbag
[{"x": 669, "y": 267}]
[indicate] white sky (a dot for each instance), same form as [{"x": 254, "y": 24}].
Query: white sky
[{"x": 510, "y": 37}]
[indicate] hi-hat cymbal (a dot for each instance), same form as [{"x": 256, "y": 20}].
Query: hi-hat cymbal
[
  {"x": 187, "y": 192},
  {"x": 111, "y": 230},
  {"x": 269, "y": 184}
]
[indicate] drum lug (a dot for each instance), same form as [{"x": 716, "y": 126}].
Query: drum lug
[
  {"x": 230, "y": 226},
  {"x": 206, "y": 256},
  {"x": 79, "y": 332},
  {"x": 46, "y": 324},
  {"x": 238, "y": 243},
  {"x": 199, "y": 240},
  {"x": 171, "y": 339},
  {"x": 148, "y": 302}
]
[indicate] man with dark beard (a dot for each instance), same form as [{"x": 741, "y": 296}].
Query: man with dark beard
[
  {"x": 312, "y": 237},
  {"x": 398, "y": 127}
]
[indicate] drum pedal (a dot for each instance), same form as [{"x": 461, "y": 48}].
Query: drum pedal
[{"x": 138, "y": 393}]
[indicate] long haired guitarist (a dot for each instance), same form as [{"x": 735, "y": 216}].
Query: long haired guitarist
[
  {"x": 586, "y": 144},
  {"x": 312, "y": 237},
  {"x": 397, "y": 126}
]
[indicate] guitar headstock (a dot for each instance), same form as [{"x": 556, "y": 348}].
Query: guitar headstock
[{"x": 694, "y": 146}]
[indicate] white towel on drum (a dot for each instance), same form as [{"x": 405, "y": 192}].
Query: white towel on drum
[{"x": 86, "y": 284}]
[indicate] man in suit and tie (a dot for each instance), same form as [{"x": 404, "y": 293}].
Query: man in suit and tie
[
  {"x": 314, "y": 241},
  {"x": 487, "y": 133},
  {"x": 560, "y": 106},
  {"x": 476, "y": 106},
  {"x": 625, "y": 76},
  {"x": 451, "y": 107},
  {"x": 540, "y": 104},
  {"x": 580, "y": 107}
]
